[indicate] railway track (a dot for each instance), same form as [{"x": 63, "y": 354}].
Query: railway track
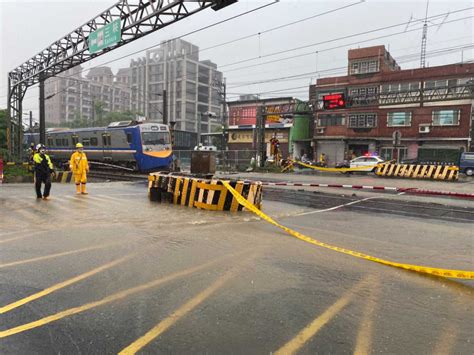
[{"x": 117, "y": 175}]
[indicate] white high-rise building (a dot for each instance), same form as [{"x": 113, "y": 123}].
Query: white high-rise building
[
  {"x": 71, "y": 95},
  {"x": 191, "y": 85}
]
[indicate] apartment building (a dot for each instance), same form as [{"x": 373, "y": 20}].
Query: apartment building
[
  {"x": 72, "y": 95},
  {"x": 191, "y": 85},
  {"x": 397, "y": 113}
]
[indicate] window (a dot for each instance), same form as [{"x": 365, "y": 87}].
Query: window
[
  {"x": 104, "y": 139},
  {"x": 330, "y": 120},
  {"x": 59, "y": 142},
  {"x": 399, "y": 119},
  {"x": 363, "y": 67},
  {"x": 389, "y": 153},
  {"x": 363, "y": 120},
  {"x": 129, "y": 137},
  {"x": 85, "y": 142},
  {"x": 155, "y": 138},
  {"x": 94, "y": 142},
  {"x": 400, "y": 87},
  {"x": 446, "y": 118},
  {"x": 75, "y": 140}
]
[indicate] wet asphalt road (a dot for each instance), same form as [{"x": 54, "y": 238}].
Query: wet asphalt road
[{"x": 113, "y": 272}]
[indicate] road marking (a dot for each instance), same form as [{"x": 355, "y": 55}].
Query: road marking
[
  {"x": 449, "y": 335},
  {"x": 336, "y": 207},
  {"x": 366, "y": 328},
  {"x": 15, "y": 238},
  {"x": 61, "y": 285},
  {"x": 114, "y": 199},
  {"x": 116, "y": 296},
  {"x": 447, "y": 340},
  {"x": 312, "y": 328},
  {"x": 169, "y": 321},
  {"x": 51, "y": 256}
]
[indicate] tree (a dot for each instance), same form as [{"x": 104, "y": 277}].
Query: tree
[{"x": 99, "y": 110}]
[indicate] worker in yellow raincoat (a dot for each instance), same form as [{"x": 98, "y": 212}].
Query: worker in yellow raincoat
[{"x": 79, "y": 167}]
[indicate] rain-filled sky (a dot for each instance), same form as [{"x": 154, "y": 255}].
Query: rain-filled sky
[{"x": 288, "y": 44}]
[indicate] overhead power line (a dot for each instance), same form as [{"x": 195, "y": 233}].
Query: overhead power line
[{"x": 346, "y": 37}]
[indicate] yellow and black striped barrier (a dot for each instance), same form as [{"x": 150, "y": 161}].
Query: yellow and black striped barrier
[
  {"x": 62, "y": 177},
  {"x": 447, "y": 273},
  {"x": 12, "y": 163},
  {"x": 202, "y": 193},
  {"x": 415, "y": 171}
]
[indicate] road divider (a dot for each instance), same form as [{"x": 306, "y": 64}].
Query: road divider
[
  {"x": 415, "y": 171},
  {"x": 390, "y": 169},
  {"x": 206, "y": 194},
  {"x": 447, "y": 273},
  {"x": 407, "y": 190}
]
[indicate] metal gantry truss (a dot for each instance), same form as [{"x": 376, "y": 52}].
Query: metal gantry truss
[{"x": 138, "y": 18}]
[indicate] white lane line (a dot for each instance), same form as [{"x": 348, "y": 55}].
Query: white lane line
[{"x": 336, "y": 207}]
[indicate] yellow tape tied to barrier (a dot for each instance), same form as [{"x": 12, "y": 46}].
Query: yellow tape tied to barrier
[
  {"x": 338, "y": 170},
  {"x": 456, "y": 274}
]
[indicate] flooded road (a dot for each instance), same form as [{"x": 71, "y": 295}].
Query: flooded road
[{"x": 112, "y": 272}]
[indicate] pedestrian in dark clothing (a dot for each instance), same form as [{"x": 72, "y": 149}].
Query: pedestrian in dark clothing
[{"x": 43, "y": 168}]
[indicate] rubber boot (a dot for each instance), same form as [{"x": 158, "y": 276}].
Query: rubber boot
[
  {"x": 78, "y": 189},
  {"x": 83, "y": 189}
]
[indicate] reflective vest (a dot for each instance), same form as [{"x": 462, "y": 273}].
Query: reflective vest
[{"x": 43, "y": 164}]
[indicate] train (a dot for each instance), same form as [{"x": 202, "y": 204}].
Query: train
[{"x": 140, "y": 146}]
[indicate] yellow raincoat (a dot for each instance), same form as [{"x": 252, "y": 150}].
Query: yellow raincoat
[{"x": 79, "y": 167}]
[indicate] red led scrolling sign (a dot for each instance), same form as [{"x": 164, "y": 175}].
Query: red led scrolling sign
[{"x": 334, "y": 101}]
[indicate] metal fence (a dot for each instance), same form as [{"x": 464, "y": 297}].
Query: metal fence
[{"x": 228, "y": 160}]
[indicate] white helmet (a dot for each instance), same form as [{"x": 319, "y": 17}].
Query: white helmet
[{"x": 40, "y": 146}]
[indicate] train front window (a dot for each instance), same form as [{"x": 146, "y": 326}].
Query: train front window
[{"x": 156, "y": 138}]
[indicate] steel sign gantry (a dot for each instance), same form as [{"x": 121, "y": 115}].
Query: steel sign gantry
[{"x": 137, "y": 19}]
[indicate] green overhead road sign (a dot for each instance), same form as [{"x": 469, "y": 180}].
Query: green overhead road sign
[{"x": 105, "y": 37}]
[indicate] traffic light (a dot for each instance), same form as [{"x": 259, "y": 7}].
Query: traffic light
[{"x": 334, "y": 101}]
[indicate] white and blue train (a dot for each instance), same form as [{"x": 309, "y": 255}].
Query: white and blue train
[{"x": 141, "y": 146}]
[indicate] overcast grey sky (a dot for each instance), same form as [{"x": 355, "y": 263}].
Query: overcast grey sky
[{"x": 26, "y": 27}]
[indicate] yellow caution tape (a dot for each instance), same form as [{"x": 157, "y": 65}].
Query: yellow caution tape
[
  {"x": 341, "y": 170},
  {"x": 456, "y": 274}
]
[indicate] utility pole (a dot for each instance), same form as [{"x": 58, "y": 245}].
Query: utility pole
[
  {"x": 424, "y": 38},
  {"x": 31, "y": 121},
  {"x": 165, "y": 107},
  {"x": 42, "y": 121},
  {"x": 224, "y": 116},
  {"x": 20, "y": 132},
  {"x": 199, "y": 128},
  {"x": 260, "y": 131}
]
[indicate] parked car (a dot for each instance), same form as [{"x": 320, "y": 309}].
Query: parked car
[
  {"x": 369, "y": 161},
  {"x": 466, "y": 163}
]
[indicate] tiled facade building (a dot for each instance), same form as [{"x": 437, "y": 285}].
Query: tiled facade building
[{"x": 430, "y": 108}]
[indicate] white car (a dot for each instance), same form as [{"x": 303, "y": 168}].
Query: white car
[{"x": 369, "y": 161}]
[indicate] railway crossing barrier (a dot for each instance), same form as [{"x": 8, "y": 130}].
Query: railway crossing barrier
[
  {"x": 206, "y": 194},
  {"x": 417, "y": 171},
  {"x": 63, "y": 177}
]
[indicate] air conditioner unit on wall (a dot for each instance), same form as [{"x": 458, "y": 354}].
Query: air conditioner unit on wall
[
  {"x": 320, "y": 130},
  {"x": 424, "y": 129}
]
